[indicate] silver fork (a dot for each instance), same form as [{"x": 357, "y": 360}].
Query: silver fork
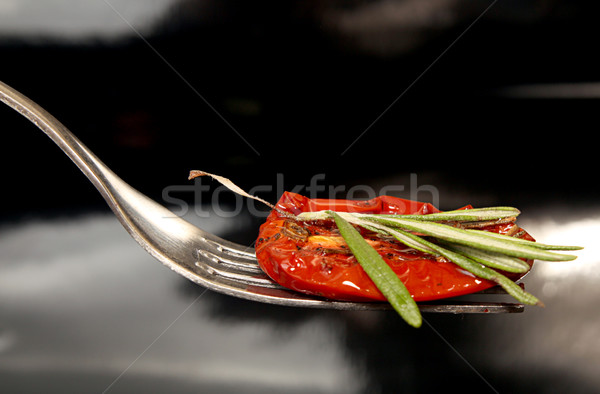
[{"x": 214, "y": 263}]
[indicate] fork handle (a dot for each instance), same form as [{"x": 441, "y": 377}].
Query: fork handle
[
  {"x": 96, "y": 171},
  {"x": 139, "y": 214}
]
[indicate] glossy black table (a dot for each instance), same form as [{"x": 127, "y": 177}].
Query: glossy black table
[
  {"x": 367, "y": 93},
  {"x": 85, "y": 309}
]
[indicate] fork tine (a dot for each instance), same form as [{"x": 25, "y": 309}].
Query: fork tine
[
  {"x": 472, "y": 307},
  {"x": 229, "y": 262},
  {"x": 242, "y": 269},
  {"x": 231, "y": 249},
  {"x": 240, "y": 278}
]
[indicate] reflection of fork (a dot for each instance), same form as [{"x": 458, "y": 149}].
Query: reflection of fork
[{"x": 203, "y": 258}]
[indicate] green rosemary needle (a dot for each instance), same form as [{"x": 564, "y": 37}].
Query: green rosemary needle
[
  {"x": 537, "y": 245},
  {"x": 380, "y": 272},
  {"x": 462, "y": 215},
  {"x": 459, "y": 215},
  {"x": 490, "y": 259},
  {"x": 507, "y": 245},
  {"x": 474, "y": 267}
]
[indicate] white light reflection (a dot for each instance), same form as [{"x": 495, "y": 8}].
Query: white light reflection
[
  {"x": 77, "y": 19},
  {"x": 351, "y": 284},
  {"x": 583, "y": 90},
  {"x": 80, "y": 298},
  {"x": 579, "y": 232}
]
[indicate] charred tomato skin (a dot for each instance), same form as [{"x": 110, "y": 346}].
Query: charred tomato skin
[{"x": 311, "y": 258}]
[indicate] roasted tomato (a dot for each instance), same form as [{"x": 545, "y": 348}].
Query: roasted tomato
[{"x": 312, "y": 257}]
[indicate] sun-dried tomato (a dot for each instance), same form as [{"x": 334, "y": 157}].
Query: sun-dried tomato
[{"x": 311, "y": 257}]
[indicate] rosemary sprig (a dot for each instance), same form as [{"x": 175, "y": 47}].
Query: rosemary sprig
[
  {"x": 476, "y": 251},
  {"x": 469, "y": 249},
  {"x": 480, "y": 271},
  {"x": 464, "y": 261},
  {"x": 458, "y": 215}
]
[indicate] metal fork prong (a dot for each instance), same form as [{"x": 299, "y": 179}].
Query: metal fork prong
[
  {"x": 238, "y": 278},
  {"x": 499, "y": 290},
  {"x": 442, "y": 306},
  {"x": 228, "y": 269},
  {"x": 229, "y": 263},
  {"x": 472, "y": 307},
  {"x": 232, "y": 250},
  {"x": 226, "y": 264}
]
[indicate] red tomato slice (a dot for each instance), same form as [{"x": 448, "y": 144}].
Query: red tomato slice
[{"x": 312, "y": 258}]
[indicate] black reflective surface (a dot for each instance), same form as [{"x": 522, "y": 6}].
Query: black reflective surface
[{"x": 445, "y": 100}]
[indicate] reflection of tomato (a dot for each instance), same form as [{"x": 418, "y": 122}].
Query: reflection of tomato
[{"x": 311, "y": 257}]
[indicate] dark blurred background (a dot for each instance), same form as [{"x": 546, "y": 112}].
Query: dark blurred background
[
  {"x": 488, "y": 102},
  {"x": 499, "y": 99}
]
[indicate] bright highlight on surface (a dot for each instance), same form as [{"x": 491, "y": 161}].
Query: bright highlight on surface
[{"x": 73, "y": 19}]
